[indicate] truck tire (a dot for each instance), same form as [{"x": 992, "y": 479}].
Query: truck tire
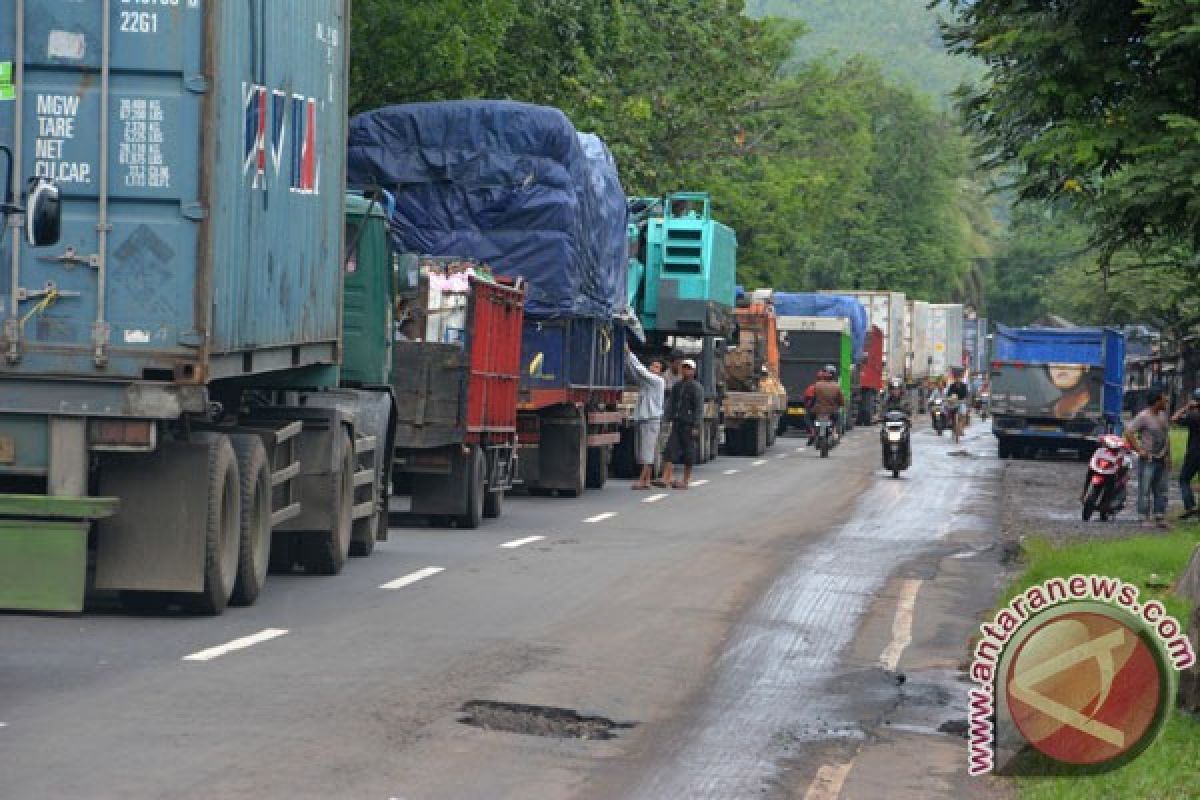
[
  {"x": 770, "y": 433},
  {"x": 597, "y": 466},
  {"x": 756, "y": 433},
  {"x": 324, "y": 552},
  {"x": 254, "y": 537},
  {"x": 714, "y": 440},
  {"x": 476, "y": 475},
  {"x": 623, "y": 460},
  {"x": 493, "y": 504},
  {"x": 733, "y": 441},
  {"x": 222, "y": 524},
  {"x": 581, "y": 470}
]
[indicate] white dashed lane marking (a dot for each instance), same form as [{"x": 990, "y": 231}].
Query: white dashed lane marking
[
  {"x": 601, "y": 517},
  {"x": 758, "y": 463},
  {"x": 654, "y": 498},
  {"x": 902, "y": 625},
  {"x": 236, "y": 644},
  {"x": 519, "y": 542},
  {"x": 731, "y": 472},
  {"x": 700, "y": 482},
  {"x": 412, "y": 577}
]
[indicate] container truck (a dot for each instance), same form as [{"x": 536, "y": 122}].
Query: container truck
[
  {"x": 171, "y": 422},
  {"x": 515, "y": 186},
  {"x": 755, "y": 399},
  {"x": 1056, "y": 388},
  {"x": 888, "y": 311},
  {"x": 917, "y": 353},
  {"x": 945, "y": 339},
  {"x": 870, "y": 382}
]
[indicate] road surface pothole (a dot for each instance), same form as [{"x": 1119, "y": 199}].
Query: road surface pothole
[{"x": 555, "y": 723}]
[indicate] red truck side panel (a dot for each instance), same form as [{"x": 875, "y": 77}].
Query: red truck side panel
[
  {"x": 872, "y": 368},
  {"x": 495, "y": 341}
]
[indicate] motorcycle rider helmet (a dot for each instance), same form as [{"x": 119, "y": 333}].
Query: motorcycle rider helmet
[
  {"x": 895, "y": 384},
  {"x": 831, "y": 372}
]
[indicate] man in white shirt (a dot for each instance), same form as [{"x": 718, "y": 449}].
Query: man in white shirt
[{"x": 647, "y": 414}]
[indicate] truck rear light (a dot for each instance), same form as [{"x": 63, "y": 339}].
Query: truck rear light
[{"x": 139, "y": 435}]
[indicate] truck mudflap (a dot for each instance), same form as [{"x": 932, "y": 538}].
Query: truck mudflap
[{"x": 43, "y": 550}]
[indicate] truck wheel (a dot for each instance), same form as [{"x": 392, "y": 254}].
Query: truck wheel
[
  {"x": 770, "y": 433},
  {"x": 714, "y": 440},
  {"x": 324, "y": 552},
  {"x": 493, "y": 504},
  {"x": 222, "y": 526},
  {"x": 476, "y": 474},
  {"x": 759, "y": 434},
  {"x": 581, "y": 470},
  {"x": 254, "y": 538},
  {"x": 733, "y": 443},
  {"x": 597, "y": 466}
]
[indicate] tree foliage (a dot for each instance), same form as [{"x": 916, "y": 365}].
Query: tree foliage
[{"x": 832, "y": 176}]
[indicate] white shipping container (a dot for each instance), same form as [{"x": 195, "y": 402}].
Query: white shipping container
[
  {"x": 887, "y": 311},
  {"x": 946, "y": 337},
  {"x": 916, "y": 340}
]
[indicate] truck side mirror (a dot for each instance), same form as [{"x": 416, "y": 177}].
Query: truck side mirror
[{"x": 43, "y": 213}]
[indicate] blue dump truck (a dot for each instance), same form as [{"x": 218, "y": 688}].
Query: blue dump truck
[
  {"x": 171, "y": 422},
  {"x": 517, "y": 187},
  {"x": 1055, "y": 388}
]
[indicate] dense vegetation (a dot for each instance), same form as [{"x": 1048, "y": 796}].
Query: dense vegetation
[
  {"x": 1093, "y": 107},
  {"x": 832, "y": 174}
]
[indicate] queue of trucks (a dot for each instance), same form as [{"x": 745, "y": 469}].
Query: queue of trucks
[{"x": 262, "y": 327}]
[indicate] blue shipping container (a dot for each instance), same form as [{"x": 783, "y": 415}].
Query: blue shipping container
[
  {"x": 572, "y": 353},
  {"x": 201, "y": 158}
]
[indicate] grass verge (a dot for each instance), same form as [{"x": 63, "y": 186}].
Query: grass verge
[{"x": 1170, "y": 768}]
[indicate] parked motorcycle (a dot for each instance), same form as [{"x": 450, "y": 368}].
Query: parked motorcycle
[
  {"x": 824, "y": 436},
  {"x": 896, "y": 440},
  {"x": 1108, "y": 475},
  {"x": 940, "y": 419}
]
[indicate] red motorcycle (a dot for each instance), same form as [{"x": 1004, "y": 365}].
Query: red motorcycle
[{"x": 1108, "y": 474}]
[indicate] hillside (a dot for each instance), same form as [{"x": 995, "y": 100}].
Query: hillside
[{"x": 902, "y": 35}]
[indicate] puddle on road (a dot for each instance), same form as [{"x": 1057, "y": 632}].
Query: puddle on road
[
  {"x": 555, "y": 723},
  {"x": 777, "y": 685}
]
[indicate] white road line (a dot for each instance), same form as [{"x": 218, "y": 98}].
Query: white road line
[
  {"x": 518, "y": 542},
  {"x": 782, "y": 455},
  {"x": 758, "y": 463},
  {"x": 654, "y": 498},
  {"x": 700, "y": 482},
  {"x": 236, "y": 644},
  {"x": 827, "y": 785},
  {"x": 412, "y": 578},
  {"x": 731, "y": 472},
  {"x": 801, "y": 449},
  {"x": 601, "y": 517},
  {"x": 902, "y": 625}
]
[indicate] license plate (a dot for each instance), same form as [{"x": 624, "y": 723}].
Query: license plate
[
  {"x": 795, "y": 412},
  {"x": 1046, "y": 428}
]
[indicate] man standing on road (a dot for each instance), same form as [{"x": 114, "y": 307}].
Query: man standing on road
[
  {"x": 1189, "y": 416},
  {"x": 648, "y": 413},
  {"x": 1149, "y": 436},
  {"x": 687, "y": 418}
]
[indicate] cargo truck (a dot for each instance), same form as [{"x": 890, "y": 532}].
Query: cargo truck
[
  {"x": 681, "y": 285},
  {"x": 1055, "y": 388},
  {"x": 945, "y": 339},
  {"x": 755, "y": 399},
  {"x": 888, "y": 311},
  {"x": 789, "y": 305},
  {"x": 515, "y": 186},
  {"x": 806, "y": 344},
  {"x": 917, "y": 353},
  {"x": 170, "y": 370}
]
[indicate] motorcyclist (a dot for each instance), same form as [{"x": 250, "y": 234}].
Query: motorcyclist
[
  {"x": 809, "y": 397},
  {"x": 828, "y": 399},
  {"x": 957, "y": 395},
  {"x": 897, "y": 399},
  {"x": 936, "y": 394}
]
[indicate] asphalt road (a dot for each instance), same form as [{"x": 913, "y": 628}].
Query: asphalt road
[{"x": 707, "y": 625}]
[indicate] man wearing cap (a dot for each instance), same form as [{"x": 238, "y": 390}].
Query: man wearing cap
[
  {"x": 687, "y": 418},
  {"x": 1189, "y": 416}
]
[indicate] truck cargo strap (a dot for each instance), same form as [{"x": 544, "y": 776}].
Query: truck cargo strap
[{"x": 43, "y": 550}]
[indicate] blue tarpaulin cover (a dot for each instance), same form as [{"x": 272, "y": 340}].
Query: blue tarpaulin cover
[
  {"x": 808, "y": 304},
  {"x": 507, "y": 183}
]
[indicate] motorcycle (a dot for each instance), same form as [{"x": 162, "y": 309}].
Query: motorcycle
[
  {"x": 940, "y": 419},
  {"x": 824, "y": 434},
  {"x": 981, "y": 404},
  {"x": 897, "y": 447},
  {"x": 1106, "y": 487}
]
